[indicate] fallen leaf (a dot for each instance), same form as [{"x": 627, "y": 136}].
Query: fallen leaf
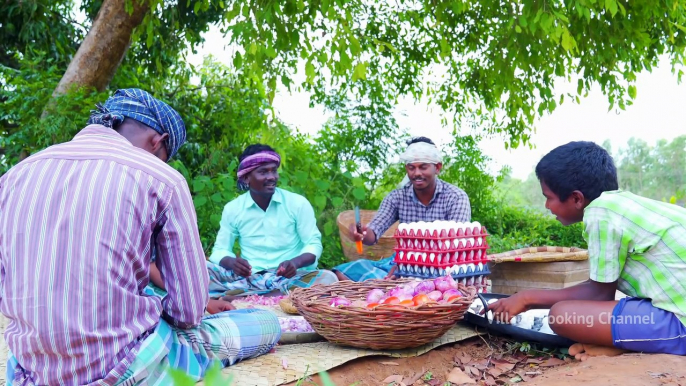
[
  {"x": 284, "y": 363},
  {"x": 516, "y": 379},
  {"x": 483, "y": 362},
  {"x": 533, "y": 360},
  {"x": 480, "y": 366},
  {"x": 552, "y": 362},
  {"x": 414, "y": 378},
  {"x": 472, "y": 371},
  {"x": 464, "y": 358},
  {"x": 389, "y": 363},
  {"x": 393, "y": 378},
  {"x": 458, "y": 377},
  {"x": 457, "y": 360},
  {"x": 434, "y": 382},
  {"x": 495, "y": 372},
  {"x": 490, "y": 381},
  {"x": 504, "y": 367}
]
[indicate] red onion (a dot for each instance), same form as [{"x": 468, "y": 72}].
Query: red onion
[
  {"x": 451, "y": 292},
  {"x": 435, "y": 295},
  {"x": 339, "y": 301},
  {"x": 424, "y": 287},
  {"x": 375, "y": 295},
  {"x": 295, "y": 324}
]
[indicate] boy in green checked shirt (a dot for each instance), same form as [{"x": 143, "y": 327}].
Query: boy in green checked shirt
[{"x": 635, "y": 245}]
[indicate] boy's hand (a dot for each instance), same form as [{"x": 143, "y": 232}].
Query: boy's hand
[
  {"x": 508, "y": 308},
  {"x": 215, "y": 306},
  {"x": 286, "y": 269}
]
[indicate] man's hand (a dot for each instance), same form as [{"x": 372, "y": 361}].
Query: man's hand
[
  {"x": 354, "y": 235},
  {"x": 508, "y": 308},
  {"x": 238, "y": 265},
  {"x": 215, "y": 306},
  {"x": 286, "y": 269}
]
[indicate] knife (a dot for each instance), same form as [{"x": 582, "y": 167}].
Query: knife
[{"x": 358, "y": 224}]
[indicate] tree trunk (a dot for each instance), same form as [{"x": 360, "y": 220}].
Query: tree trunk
[{"x": 104, "y": 47}]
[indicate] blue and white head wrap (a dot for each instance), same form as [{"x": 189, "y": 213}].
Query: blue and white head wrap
[{"x": 140, "y": 105}]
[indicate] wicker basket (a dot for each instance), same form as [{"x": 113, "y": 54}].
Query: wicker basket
[
  {"x": 382, "y": 328},
  {"x": 544, "y": 254},
  {"x": 384, "y": 248}
]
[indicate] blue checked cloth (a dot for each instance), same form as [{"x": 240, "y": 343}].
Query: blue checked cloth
[
  {"x": 138, "y": 104},
  {"x": 227, "y": 337}
]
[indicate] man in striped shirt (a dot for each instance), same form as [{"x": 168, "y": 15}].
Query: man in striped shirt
[
  {"x": 78, "y": 222},
  {"x": 635, "y": 244}
]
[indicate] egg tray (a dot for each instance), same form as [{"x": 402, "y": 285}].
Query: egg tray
[
  {"x": 441, "y": 267},
  {"x": 436, "y": 264},
  {"x": 484, "y": 272},
  {"x": 451, "y": 234},
  {"x": 440, "y": 249}
]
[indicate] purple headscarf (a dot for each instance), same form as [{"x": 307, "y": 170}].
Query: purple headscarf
[{"x": 252, "y": 162}]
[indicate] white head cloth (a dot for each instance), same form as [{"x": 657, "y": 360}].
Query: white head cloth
[{"x": 420, "y": 152}]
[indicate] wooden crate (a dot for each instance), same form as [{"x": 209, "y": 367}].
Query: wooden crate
[{"x": 511, "y": 277}]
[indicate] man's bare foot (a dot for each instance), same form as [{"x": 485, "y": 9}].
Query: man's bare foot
[{"x": 582, "y": 351}]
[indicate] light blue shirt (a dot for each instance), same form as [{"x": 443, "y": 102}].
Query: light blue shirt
[{"x": 286, "y": 230}]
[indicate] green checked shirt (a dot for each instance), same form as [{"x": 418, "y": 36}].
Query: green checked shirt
[{"x": 642, "y": 243}]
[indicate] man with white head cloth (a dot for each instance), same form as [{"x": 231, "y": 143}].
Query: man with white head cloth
[{"x": 421, "y": 196}]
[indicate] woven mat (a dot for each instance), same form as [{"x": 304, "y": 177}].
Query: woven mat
[
  {"x": 312, "y": 358},
  {"x": 268, "y": 370}
]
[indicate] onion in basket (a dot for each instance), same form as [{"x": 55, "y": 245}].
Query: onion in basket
[
  {"x": 424, "y": 287},
  {"x": 339, "y": 301},
  {"x": 375, "y": 295},
  {"x": 450, "y": 293},
  {"x": 435, "y": 295},
  {"x": 445, "y": 283}
]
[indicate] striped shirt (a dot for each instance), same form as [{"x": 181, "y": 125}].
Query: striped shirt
[
  {"x": 77, "y": 225},
  {"x": 449, "y": 203},
  {"x": 641, "y": 243}
]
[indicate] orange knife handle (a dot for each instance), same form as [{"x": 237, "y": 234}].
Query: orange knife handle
[{"x": 359, "y": 247}]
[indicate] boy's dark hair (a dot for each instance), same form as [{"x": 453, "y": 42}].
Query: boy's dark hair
[
  {"x": 419, "y": 139},
  {"x": 254, "y": 149},
  {"x": 582, "y": 166}
]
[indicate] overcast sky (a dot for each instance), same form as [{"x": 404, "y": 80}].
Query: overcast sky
[{"x": 658, "y": 112}]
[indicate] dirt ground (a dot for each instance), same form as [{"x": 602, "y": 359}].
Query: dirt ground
[{"x": 473, "y": 362}]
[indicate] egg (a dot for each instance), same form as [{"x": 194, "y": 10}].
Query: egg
[
  {"x": 420, "y": 225},
  {"x": 470, "y": 268}
]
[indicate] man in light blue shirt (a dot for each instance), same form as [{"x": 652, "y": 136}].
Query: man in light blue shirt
[{"x": 276, "y": 231}]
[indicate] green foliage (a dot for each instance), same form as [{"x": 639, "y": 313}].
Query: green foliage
[
  {"x": 653, "y": 171},
  {"x": 490, "y": 61},
  {"x": 513, "y": 228}
]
